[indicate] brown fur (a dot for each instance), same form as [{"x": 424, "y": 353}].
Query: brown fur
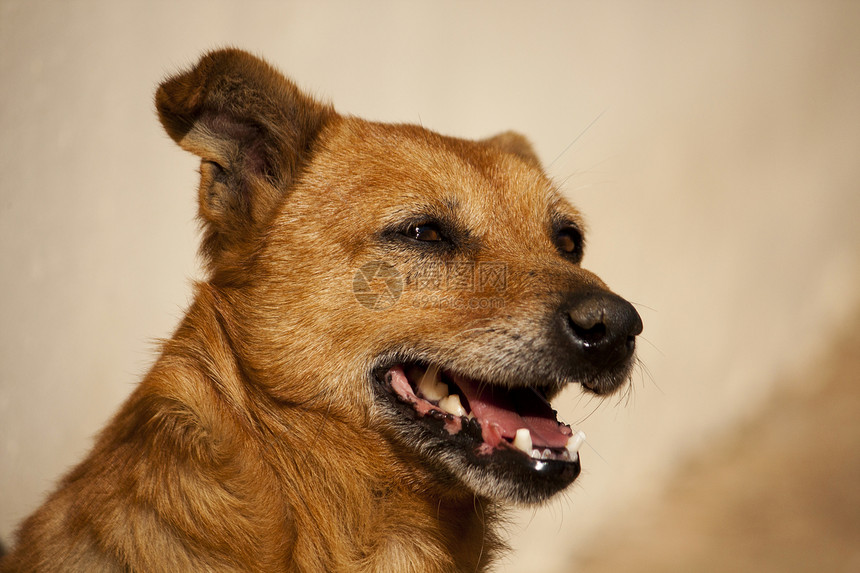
[{"x": 256, "y": 442}]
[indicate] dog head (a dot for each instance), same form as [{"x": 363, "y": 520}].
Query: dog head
[{"x": 423, "y": 289}]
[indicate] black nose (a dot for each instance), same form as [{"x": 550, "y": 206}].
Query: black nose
[{"x": 602, "y": 327}]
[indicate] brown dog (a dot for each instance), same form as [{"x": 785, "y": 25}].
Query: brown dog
[{"x": 363, "y": 381}]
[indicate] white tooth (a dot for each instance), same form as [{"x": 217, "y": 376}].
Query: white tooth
[
  {"x": 452, "y": 405},
  {"x": 430, "y": 386},
  {"x": 523, "y": 440},
  {"x": 536, "y": 454},
  {"x": 546, "y": 455},
  {"x": 574, "y": 443}
]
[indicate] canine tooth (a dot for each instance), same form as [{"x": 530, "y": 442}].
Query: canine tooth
[
  {"x": 452, "y": 405},
  {"x": 523, "y": 440},
  {"x": 430, "y": 386},
  {"x": 575, "y": 442}
]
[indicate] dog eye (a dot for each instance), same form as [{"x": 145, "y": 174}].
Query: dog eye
[
  {"x": 426, "y": 232},
  {"x": 569, "y": 241}
]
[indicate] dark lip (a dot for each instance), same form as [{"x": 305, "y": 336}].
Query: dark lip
[{"x": 513, "y": 464}]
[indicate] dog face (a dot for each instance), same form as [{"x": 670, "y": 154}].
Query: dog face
[{"x": 424, "y": 291}]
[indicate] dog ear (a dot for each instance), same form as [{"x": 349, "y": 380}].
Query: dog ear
[
  {"x": 513, "y": 142},
  {"x": 253, "y": 130}
]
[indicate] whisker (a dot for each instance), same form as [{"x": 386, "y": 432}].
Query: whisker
[
  {"x": 641, "y": 305},
  {"x": 577, "y": 138},
  {"x": 479, "y": 512},
  {"x": 593, "y": 411},
  {"x": 652, "y": 345},
  {"x": 645, "y": 372},
  {"x": 593, "y": 449}
]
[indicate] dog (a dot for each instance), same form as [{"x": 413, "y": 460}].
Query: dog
[{"x": 363, "y": 381}]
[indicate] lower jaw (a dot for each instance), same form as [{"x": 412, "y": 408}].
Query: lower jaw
[
  {"x": 505, "y": 475},
  {"x": 511, "y": 477}
]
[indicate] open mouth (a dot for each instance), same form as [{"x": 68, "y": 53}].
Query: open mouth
[{"x": 511, "y": 434}]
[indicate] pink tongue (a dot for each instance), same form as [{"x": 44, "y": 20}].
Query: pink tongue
[{"x": 511, "y": 410}]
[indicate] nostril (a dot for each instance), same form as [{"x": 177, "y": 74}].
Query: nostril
[
  {"x": 631, "y": 343},
  {"x": 589, "y": 334}
]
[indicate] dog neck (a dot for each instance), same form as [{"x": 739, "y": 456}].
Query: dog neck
[{"x": 299, "y": 475}]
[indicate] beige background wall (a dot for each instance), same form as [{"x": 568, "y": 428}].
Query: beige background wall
[{"x": 713, "y": 147}]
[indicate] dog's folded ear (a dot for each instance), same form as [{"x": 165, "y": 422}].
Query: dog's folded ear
[
  {"x": 254, "y": 131},
  {"x": 513, "y": 142}
]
